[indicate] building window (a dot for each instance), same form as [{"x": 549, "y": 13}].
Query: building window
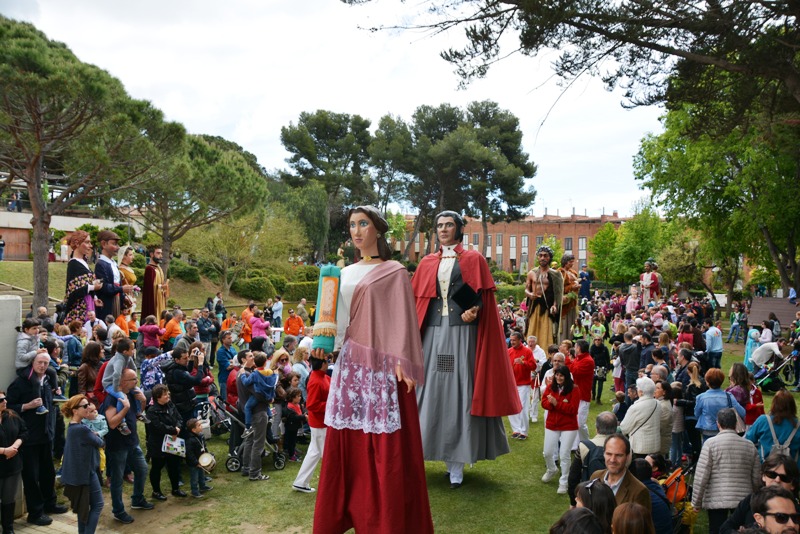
[
  {"x": 489, "y": 246},
  {"x": 476, "y": 241},
  {"x": 582, "y": 248},
  {"x": 539, "y": 240},
  {"x": 567, "y": 244},
  {"x": 499, "y": 249},
  {"x": 524, "y": 242}
]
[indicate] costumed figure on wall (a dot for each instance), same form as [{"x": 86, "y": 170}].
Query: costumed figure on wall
[
  {"x": 81, "y": 283},
  {"x": 373, "y": 474},
  {"x": 469, "y": 384},
  {"x": 156, "y": 287},
  {"x": 544, "y": 288},
  {"x": 572, "y": 285},
  {"x": 124, "y": 261},
  {"x": 106, "y": 269}
]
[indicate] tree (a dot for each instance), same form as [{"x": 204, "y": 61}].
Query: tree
[
  {"x": 638, "y": 240},
  {"x": 201, "y": 185},
  {"x": 389, "y": 153},
  {"x": 303, "y": 204},
  {"x": 601, "y": 246},
  {"x": 634, "y": 44},
  {"x": 61, "y": 116},
  {"x": 230, "y": 247},
  {"x": 330, "y": 148},
  {"x": 744, "y": 185}
]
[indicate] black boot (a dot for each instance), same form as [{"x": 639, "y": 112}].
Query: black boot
[{"x": 7, "y": 517}]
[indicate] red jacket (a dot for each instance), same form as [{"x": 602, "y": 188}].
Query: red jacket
[
  {"x": 582, "y": 369},
  {"x": 231, "y": 391},
  {"x": 564, "y": 415},
  {"x": 522, "y": 371},
  {"x": 99, "y": 390},
  {"x": 319, "y": 383}
]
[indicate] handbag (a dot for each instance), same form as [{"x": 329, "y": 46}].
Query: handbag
[
  {"x": 175, "y": 446},
  {"x": 741, "y": 428}
]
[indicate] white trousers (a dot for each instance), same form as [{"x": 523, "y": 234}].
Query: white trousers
[
  {"x": 551, "y": 440},
  {"x": 456, "y": 470},
  {"x": 536, "y": 399},
  {"x": 312, "y": 458},
  {"x": 583, "y": 428},
  {"x": 520, "y": 422}
]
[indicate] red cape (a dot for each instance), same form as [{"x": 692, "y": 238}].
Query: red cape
[{"x": 495, "y": 393}]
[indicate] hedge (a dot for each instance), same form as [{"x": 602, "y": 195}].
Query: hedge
[
  {"x": 298, "y": 290},
  {"x": 505, "y": 290},
  {"x": 306, "y": 273},
  {"x": 183, "y": 271},
  {"x": 503, "y": 277},
  {"x": 278, "y": 282},
  {"x": 257, "y": 288}
]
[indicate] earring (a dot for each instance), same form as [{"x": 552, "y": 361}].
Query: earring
[{"x": 380, "y": 236}]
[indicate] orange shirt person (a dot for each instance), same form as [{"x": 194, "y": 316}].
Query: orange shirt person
[{"x": 294, "y": 325}]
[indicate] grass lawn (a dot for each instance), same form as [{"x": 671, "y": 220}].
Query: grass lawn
[{"x": 505, "y": 495}]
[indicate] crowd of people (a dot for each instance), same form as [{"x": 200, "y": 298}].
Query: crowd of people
[{"x": 430, "y": 381}]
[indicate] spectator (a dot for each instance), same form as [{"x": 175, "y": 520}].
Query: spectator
[
  {"x": 318, "y": 386},
  {"x": 206, "y": 329},
  {"x": 80, "y": 468},
  {"x": 277, "y": 311},
  {"x": 561, "y": 399},
  {"x": 181, "y": 383},
  {"x": 602, "y": 362},
  {"x": 254, "y": 444},
  {"x": 523, "y": 365},
  {"x": 663, "y": 394},
  {"x": 13, "y": 434},
  {"x": 225, "y": 357},
  {"x": 25, "y": 396},
  {"x": 590, "y": 453},
  {"x": 577, "y": 520},
  {"x": 123, "y": 449},
  {"x": 713, "y": 337},
  {"x": 598, "y": 498},
  {"x": 195, "y": 447},
  {"x": 775, "y": 511},
  {"x": 583, "y": 372},
  {"x": 712, "y": 401},
  {"x": 626, "y": 488},
  {"x": 728, "y": 470},
  {"x": 294, "y": 325},
  {"x": 164, "y": 420},
  {"x": 779, "y": 427},
  {"x": 632, "y": 518},
  {"x": 642, "y": 423},
  {"x": 662, "y": 509},
  {"x": 777, "y": 470}
]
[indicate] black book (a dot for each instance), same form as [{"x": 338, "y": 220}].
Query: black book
[{"x": 466, "y": 297}]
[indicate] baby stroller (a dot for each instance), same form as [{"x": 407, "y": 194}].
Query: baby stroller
[
  {"x": 774, "y": 376},
  {"x": 234, "y": 461},
  {"x": 218, "y": 420}
]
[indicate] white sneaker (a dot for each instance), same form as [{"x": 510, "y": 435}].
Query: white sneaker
[
  {"x": 562, "y": 489},
  {"x": 548, "y": 476},
  {"x": 535, "y": 420},
  {"x": 303, "y": 489}
]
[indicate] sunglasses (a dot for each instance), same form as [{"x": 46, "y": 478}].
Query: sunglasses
[
  {"x": 2, "y": 399},
  {"x": 86, "y": 405},
  {"x": 772, "y": 475},
  {"x": 284, "y": 360},
  {"x": 590, "y": 484},
  {"x": 782, "y": 518}
]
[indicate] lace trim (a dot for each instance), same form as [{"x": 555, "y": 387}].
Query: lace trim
[{"x": 363, "y": 398}]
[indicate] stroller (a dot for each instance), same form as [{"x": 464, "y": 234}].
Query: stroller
[
  {"x": 678, "y": 489},
  {"x": 212, "y": 417},
  {"x": 773, "y": 377},
  {"x": 234, "y": 461}
]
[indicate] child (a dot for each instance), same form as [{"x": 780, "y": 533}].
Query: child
[
  {"x": 755, "y": 407},
  {"x": 120, "y": 361},
  {"x": 263, "y": 381},
  {"x": 97, "y": 423},
  {"x": 151, "y": 332},
  {"x": 195, "y": 446},
  {"x": 678, "y": 426},
  {"x": 617, "y": 402},
  {"x": 619, "y": 379},
  {"x": 577, "y": 331},
  {"x": 294, "y": 420}
]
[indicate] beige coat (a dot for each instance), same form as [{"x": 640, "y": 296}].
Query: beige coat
[
  {"x": 666, "y": 426},
  {"x": 642, "y": 425}
]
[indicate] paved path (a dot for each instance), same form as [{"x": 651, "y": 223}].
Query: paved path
[{"x": 62, "y": 524}]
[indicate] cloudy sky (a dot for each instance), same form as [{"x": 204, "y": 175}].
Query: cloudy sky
[{"x": 242, "y": 69}]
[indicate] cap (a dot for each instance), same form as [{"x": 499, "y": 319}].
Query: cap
[{"x": 107, "y": 235}]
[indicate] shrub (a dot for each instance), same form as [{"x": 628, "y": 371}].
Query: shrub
[
  {"x": 183, "y": 271},
  {"x": 503, "y": 277},
  {"x": 298, "y": 290},
  {"x": 306, "y": 273},
  {"x": 332, "y": 257},
  {"x": 279, "y": 282},
  {"x": 255, "y": 273},
  {"x": 257, "y": 288},
  {"x": 138, "y": 261},
  {"x": 506, "y": 290},
  {"x": 171, "y": 304},
  {"x": 139, "y": 272}
]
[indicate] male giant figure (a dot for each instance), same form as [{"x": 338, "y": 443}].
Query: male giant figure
[
  {"x": 106, "y": 270},
  {"x": 469, "y": 385},
  {"x": 544, "y": 288},
  {"x": 648, "y": 280},
  {"x": 156, "y": 287}
]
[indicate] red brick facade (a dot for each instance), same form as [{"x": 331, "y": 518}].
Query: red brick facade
[{"x": 511, "y": 244}]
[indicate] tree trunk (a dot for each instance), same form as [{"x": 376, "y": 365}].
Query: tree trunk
[
  {"x": 41, "y": 234},
  {"x": 414, "y": 233},
  {"x": 485, "y": 227}
]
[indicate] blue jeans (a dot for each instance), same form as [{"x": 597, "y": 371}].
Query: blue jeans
[
  {"x": 676, "y": 450},
  {"x": 116, "y": 461},
  {"x": 714, "y": 359},
  {"x": 95, "y": 506},
  {"x": 734, "y": 328},
  {"x": 198, "y": 480},
  {"x": 630, "y": 379}
]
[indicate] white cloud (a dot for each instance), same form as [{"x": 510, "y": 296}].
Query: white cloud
[{"x": 243, "y": 69}]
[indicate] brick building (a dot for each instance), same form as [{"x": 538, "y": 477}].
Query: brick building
[{"x": 513, "y": 244}]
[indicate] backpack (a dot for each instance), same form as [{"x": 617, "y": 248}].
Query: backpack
[
  {"x": 594, "y": 460},
  {"x": 778, "y": 447}
]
